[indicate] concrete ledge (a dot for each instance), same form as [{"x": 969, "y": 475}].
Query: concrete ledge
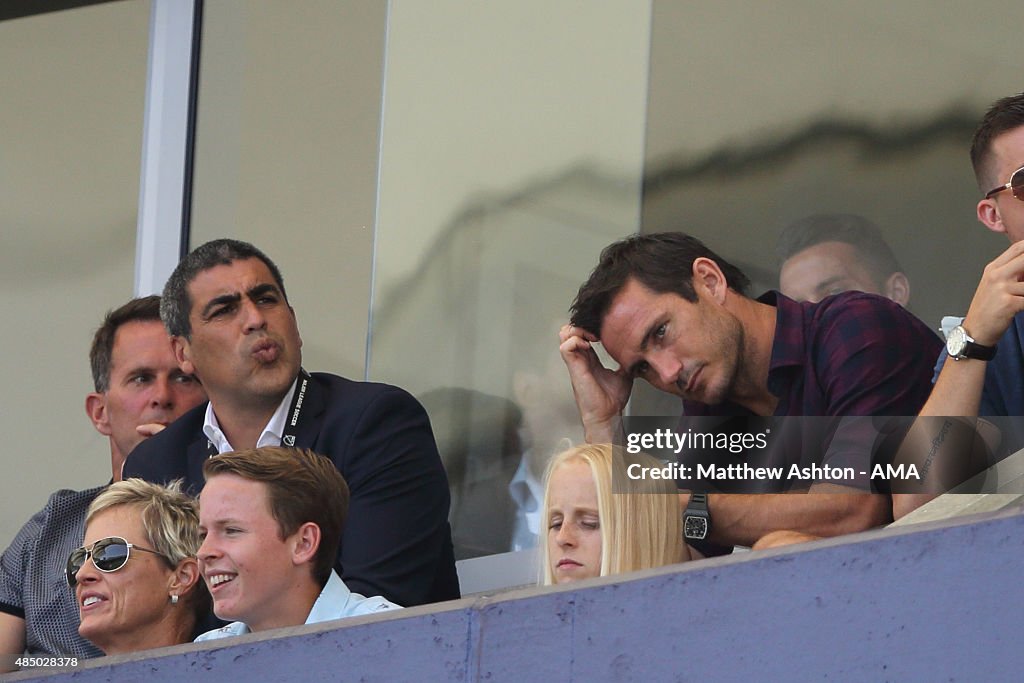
[{"x": 934, "y": 601}]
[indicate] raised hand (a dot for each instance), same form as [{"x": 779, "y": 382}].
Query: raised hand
[
  {"x": 601, "y": 394},
  {"x": 999, "y": 297}
]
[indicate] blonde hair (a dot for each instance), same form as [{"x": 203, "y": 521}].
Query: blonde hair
[
  {"x": 170, "y": 518},
  {"x": 640, "y": 520}
]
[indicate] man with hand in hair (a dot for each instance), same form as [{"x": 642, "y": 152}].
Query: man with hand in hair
[{"x": 672, "y": 312}]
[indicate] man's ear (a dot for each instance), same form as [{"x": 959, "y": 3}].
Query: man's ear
[
  {"x": 96, "y": 409},
  {"x": 897, "y": 288},
  {"x": 183, "y": 354},
  {"x": 184, "y": 577},
  {"x": 988, "y": 214},
  {"x": 707, "y": 276},
  {"x": 305, "y": 542}
]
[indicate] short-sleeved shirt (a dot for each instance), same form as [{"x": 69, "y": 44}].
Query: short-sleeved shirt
[
  {"x": 849, "y": 357},
  {"x": 1002, "y": 394},
  {"x": 32, "y": 582},
  {"x": 849, "y": 354}
]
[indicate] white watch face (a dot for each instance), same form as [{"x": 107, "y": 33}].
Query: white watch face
[{"x": 956, "y": 343}]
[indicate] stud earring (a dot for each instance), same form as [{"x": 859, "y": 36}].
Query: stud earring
[{"x": 174, "y": 599}]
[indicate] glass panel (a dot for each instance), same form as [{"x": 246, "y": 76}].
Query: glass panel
[
  {"x": 854, "y": 108},
  {"x": 286, "y": 155},
  {"x": 71, "y": 114},
  {"x": 512, "y": 147},
  {"x": 511, "y": 153}
]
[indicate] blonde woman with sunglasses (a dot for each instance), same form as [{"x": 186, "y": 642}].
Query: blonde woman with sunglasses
[{"x": 136, "y": 578}]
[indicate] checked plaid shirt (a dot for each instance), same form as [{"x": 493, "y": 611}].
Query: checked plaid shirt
[{"x": 849, "y": 354}]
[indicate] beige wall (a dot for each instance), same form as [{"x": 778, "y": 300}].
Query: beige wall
[
  {"x": 71, "y": 115},
  {"x": 286, "y": 155}
]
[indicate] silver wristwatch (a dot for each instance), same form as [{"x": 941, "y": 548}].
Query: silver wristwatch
[{"x": 960, "y": 345}]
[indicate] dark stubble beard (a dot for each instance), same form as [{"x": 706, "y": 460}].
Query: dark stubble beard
[{"x": 733, "y": 342}]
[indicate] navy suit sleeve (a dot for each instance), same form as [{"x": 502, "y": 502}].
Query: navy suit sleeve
[
  {"x": 139, "y": 463},
  {"x": 164, "y": 457},
  {"x": 396, "y": 542}
]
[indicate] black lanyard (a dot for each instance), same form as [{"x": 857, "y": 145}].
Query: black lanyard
[{"x": 291, "y": 417}]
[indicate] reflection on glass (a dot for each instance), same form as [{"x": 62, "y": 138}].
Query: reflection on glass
[
  {"x": 286, "y": 154},
  {"x": 828, "y": 253},
  {"x": 511, "y": 143},
  {"x": 475, "y": 335}
]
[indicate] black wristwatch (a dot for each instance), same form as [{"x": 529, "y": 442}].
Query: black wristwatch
[
  {"x": 696, "y": 518},
  {"x": 960, "y": 345}
]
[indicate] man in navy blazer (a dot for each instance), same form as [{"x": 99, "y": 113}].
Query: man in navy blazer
[{"x": 230, "y": 323}]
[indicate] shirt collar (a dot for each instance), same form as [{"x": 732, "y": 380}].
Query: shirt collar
[
  {"x": 525, "y": 490},
  {"x": 528, "y": 494},
  {"x": 271, "y": 435},
  {"x": 334, "y": 594},
  {"x": 788, "y": 347}
]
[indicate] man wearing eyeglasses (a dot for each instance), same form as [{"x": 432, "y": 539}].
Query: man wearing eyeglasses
[
  {"x": 985, "y": 376},
  {"x": 139, "y": 389}
]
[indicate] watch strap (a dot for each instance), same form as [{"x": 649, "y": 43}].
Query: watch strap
[{"x": 979, "y": 351}]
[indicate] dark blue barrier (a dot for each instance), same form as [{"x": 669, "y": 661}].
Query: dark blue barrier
[{"x": 941, "y": 601}]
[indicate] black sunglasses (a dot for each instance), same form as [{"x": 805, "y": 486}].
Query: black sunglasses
[
  {"x": 1016, "y": 185},
  {"x": 108, "y": 555}
]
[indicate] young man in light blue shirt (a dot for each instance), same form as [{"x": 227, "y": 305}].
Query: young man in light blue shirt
[{"x": 271, "y": 519}]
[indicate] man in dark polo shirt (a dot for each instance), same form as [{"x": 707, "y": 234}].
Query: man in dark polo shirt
[{"x": 669, "y": 310}]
